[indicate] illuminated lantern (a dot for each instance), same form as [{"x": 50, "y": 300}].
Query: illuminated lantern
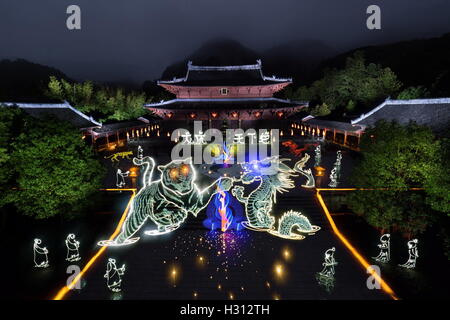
[
  {"x": 169, "y": 115},
  {"x": 214, "y": 114},
  {"x": 192, "y": 115},
  {"x": 257, "y": 114},
  {"x": 133, "y": 172},
  {"x": 234, "y": 114},
  {"x": 280, "y": 114},
  {"x": 320, "y": 171}
]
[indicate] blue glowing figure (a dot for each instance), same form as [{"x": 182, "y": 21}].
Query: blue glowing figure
[{"x": 224, "y": 213}]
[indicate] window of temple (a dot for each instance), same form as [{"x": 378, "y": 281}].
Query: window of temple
[{"x": 224, "y": 91}]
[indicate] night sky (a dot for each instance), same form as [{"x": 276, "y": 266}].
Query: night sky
[{"x": 135, "y": 40}]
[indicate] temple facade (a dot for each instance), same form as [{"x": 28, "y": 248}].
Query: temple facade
[{"x": 239, "y": 92}]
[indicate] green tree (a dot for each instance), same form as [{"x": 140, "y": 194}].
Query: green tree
[
  {"x": 358, "y": 83},
  {"x": 395, "y": 158},
  {"x": 320, "y": 110},
  {"x": 105, "y": 103},
  {"x": 437, "y": 185},
  {"x": 11, "y": 123},
  {"x": 55, "y": 171},
  {"x": 419, "y": 92}
]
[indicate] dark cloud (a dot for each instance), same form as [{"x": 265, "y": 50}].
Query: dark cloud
[{"x": 136, "y": 39}]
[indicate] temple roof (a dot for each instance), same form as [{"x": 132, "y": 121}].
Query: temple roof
[
  {"x": 434, "y": 113},
  {"x": 250, "y": 74},
  {"x": 62, "y": 111},
  {"x": 226, "y": 103}
]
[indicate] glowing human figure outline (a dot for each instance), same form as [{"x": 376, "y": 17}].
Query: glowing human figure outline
[
  {"x": 413, "y": 253},
  {"x": 72, "y": 246},
  {"x": 318, "y": 155},
  {"x": 40, "y": 251},
  {"x": 385, "y": 249},
  {"x": 333, "y": 177},
  {"x": 329, "y": 263},
  {"x": 120, "y": 178},
  {"x": 114, "y": 274}
]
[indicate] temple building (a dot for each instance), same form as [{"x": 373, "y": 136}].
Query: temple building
[
  {"x": 434, "y": 113},
  {"x": 240, "y": 92}
]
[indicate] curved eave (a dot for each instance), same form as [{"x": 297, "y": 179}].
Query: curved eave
[{"x": 243, "y": 100}]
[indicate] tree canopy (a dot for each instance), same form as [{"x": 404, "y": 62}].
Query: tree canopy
[
  {"x": 52, "y": 170},
  {"x": 396, "y": 158},
  {"x": 357, "y": 83},
  {"x": 106, "y": 103}
]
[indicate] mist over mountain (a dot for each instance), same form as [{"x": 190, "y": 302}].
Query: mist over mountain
[
  {"x": 295, "y": 59},
  {"x": 24, "y": 80},
  {"x": 416, "y": 62}
]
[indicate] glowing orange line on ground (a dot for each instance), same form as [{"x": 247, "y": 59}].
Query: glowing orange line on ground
[
  {"x": 66, "y": 289},
  {"x": 355, "y": 253}
]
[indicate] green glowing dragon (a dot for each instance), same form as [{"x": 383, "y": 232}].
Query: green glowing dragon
[{"x": 273, "y": 176}]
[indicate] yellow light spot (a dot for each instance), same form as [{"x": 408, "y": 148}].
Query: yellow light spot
[
  {"x": 287, "y": 254},
  {"x": 231, "y": 296},
  {"x": 279, "y": 270}
]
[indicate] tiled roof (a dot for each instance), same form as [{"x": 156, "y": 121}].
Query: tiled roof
[
  {"x": 434, "y": 113},
  {"x": 225, "y": 75},
  {"x": 226, "y": 103},
  {"x": 62, "y": 111}
]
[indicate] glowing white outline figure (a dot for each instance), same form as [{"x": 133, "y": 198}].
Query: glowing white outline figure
[
  {"x": 318, "y": 156},
  {"x": 39, "y": 253},
  {"x": 385, "y": 249},
  {"x": 326, "y": 276},
  {"x": 140, "y": 152},
  {"x": 333, "y": 177},
  {"x": 274, "y": 176},
  {"x": 337, "y": 164},
  {"x": 167, "y": 208},
  {"x": 114, "y": 275},
  {"x": 120, "y": 178},
  {"x": 298, "y": 167},
  {"x": 291, "y": 224},
  {"x": 72, "y": 245},
  {"x": 329, "y": 263},
  {"x": 413, "y": 254}
]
